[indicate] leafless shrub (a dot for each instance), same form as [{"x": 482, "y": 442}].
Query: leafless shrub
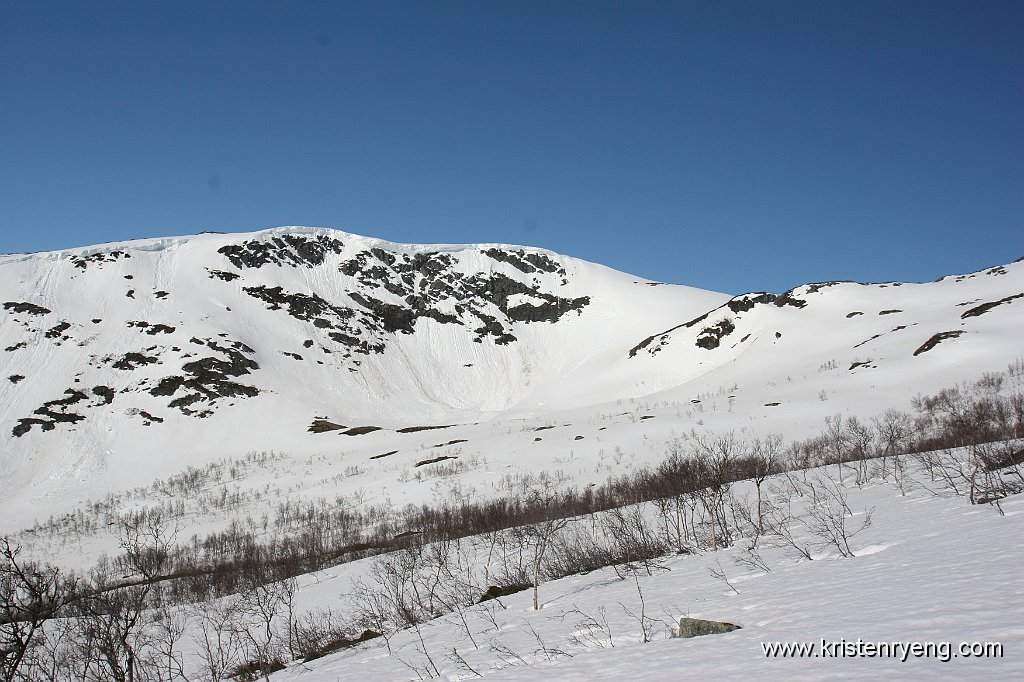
[
  {"x": 218, "y": 638},
  {"x": 577, "y": 551},
  {"x": 781, "y": 517},
  {"x": 266, "y": 623},
  {"x": 590, "y": 631},
  {"x": 634, "y": 545},
  {"x": 829, "y": 517},
  {"x": 460, "y": 663},
  {"x": 30, "y": 595},
  {"x": 751, "y": 558},
  {"x": 646, "y": 623},
  {"x": 718, "y": 573},
  {"x": 549, "y": 653}
]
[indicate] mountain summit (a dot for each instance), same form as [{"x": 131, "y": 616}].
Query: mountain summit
[{"x": 146, "y": 356}]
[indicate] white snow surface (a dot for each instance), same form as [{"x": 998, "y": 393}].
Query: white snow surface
[
  {"x": 930, "y": 569},
  {"x": 599, "y": 392},
  {"x": 781, "y": 369}
]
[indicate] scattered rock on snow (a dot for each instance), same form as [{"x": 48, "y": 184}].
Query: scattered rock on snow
[
  {"x": 935, "y": 340},
  {"x": 697, "y": 627}
]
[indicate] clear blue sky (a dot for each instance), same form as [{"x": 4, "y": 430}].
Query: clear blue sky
[{"x": 729, "y": 145}]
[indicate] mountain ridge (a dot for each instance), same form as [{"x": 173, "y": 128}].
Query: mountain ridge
[{"x": 175, "y": 351}]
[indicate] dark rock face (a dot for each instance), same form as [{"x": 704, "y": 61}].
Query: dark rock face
[
  {"x": 396, "y": 318},
  {"x": 741, "y": 304},
  {"x": 425, "y": 279},
  {"x": 868, "y": 340},
  {"x": 391, "y": 294},
  {"x": 210, "y": 378},
  {"x": 434, "y": 460},
  {"x": 935, "y": 340},
  {"x": 295, "y": 250},
  {"x": 738, "y": 304},
  {"x": 223, "y": 275},
  {"x": 985, "y": 307},
  {"x": 416, "y": 429},
  {"x": 99, "y": 259},
  {"x": 29, "y": 308},
  {"x": 300, "y": 306},
  {"x": 451, "y": 442},
  {"x": 323, "y": 426},
  {"x": 105, "y": 393},
  {"x": 647, "y": 342},
  {"x": 152, "y": 329},
  {"x": 203, "y": 380},
  {"x": 427, "y": 285},
  {"x": 58, "y": 330},
  {"x": 818, "y": 286},
  {"x": 525, "y": 261},
  {"x": 52, "y": 413},
  {"x": 347, "y": 325},
  {"x": 360, "y": 430},
  {"x": 787, "y": 299},
  {"x": 745, "y": 302},
  {"x": 132, "y": 360},
  {"x": 875, "y": 336},
  {"x": 545, "y": 307},
  {"x": 711, "y": 337},
  {"x": 492, "y": 327},
  {"x": 149, "y": 418}
]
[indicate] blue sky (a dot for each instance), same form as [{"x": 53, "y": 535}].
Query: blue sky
[{"x": 729, "y": 145}]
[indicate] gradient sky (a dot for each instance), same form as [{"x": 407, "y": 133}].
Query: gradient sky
[{"x": 733, "y": 146}]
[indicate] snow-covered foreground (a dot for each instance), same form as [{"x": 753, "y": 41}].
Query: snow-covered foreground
[{"x": 929, "y": 569}]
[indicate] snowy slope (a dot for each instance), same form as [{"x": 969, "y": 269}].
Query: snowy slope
[
  {"x": 304, "y": 366},
  {"x": 128, "y": 362},
  {"x": 172, "y": 352},
  {"x": 932, "y": 570}
]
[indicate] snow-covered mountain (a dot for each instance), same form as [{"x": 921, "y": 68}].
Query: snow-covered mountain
[{"x": 130, "y": 361}]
